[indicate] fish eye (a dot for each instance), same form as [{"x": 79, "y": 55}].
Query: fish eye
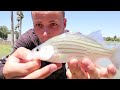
[{"x": 37, "y": 49}]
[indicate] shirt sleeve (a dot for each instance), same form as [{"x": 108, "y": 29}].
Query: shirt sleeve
[
  {"x": 1, "y": 70},
  {"x": 28, "y": 40}
]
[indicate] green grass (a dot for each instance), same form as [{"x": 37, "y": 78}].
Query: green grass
[{"x": 5, "y": 49}]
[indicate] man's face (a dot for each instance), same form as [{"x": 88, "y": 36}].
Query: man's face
[{"x": 48, "y": 24}]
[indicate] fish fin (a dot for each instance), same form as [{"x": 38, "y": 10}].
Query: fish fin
[
  {"x": 115, "y": 59},
  {"x": 97, "y": 36},
  {"x": 74, "y": 33}
]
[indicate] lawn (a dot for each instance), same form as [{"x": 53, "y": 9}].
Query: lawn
[{"x": 5, "y": 49}]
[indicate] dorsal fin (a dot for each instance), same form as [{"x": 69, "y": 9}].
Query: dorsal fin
[{"x": 97, "y": 36}]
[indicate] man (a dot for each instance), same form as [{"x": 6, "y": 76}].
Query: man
[{"x": 48, "y": 24}]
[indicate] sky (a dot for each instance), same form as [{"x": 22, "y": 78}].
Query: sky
[{"x": 85, "y": 22}]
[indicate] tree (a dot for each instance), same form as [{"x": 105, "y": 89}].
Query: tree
[
  {"x": 108, "y": 38},
  {"x": 17, "y": 34},
  {"x": 115, "y": 37},
  {"x": 3, "y": 32},
  {"x": 19, "y": 19},
  {"x": 12, "y": 29}
]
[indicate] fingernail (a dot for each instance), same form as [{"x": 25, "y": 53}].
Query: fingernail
[
  {"x": 74, "y": 60},
  {"x": 86, "y": 62},
  {"x": 74, "y": 63}
]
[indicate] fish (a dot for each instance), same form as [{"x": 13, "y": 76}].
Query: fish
[{"x": 62, "y": 48}]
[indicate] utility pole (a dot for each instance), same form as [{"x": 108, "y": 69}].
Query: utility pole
[{"x": 12, "y": 29}]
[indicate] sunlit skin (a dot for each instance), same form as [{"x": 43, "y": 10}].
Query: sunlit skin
[{"x": 48, "y": 24}]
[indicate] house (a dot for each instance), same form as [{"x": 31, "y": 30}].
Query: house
[{"x": 9, "y": 38}]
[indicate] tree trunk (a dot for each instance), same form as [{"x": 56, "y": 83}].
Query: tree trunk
[
  {"x": 12, "y": 29},
  {"x": 20, "y": 27}
]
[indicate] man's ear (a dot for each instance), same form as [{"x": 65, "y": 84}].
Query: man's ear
[{"x": 65, "y": 22}]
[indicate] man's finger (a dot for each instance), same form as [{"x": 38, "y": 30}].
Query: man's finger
[
  {"x": 23, "y": 54},
  {"x": 75, "y": 68},
  {"x": 111, "y": 70},
  {"x": 72, "y": 65},
  {"x": 30, "y": 66},
  {"x": 108, "y": 72},
  {"x": 23, "y": 69},
  {"x": 43, "y": 72},
  {"x": 70, "y": 75},
  {"x": 89, "y": 67}
]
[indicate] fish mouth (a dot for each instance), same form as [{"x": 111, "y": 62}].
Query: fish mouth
[{"x": 46, "y": 52}]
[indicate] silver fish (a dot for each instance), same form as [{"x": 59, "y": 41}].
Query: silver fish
[{"x": 61, "y": 48}]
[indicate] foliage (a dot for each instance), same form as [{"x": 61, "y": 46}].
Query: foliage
[
  {"x": 3, "y": 32},
  {"x": 114, "y": 38}
]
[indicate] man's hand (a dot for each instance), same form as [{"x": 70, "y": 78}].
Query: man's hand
[
  {"x": 86, "y": 69},
  {"x": 21, "y": 65}
]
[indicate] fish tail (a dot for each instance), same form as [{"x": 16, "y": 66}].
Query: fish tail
[{"x": 115, "y": 59}]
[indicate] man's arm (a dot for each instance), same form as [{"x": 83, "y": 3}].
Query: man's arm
[
  {"x": 27, "y": 40},
  {"x": 29, "y": 68}
]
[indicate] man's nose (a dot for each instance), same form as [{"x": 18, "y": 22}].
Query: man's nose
[{"x": 46, "y": 32}]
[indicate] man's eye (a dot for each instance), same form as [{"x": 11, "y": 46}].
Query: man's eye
[
  {"x": 53, "y": 24},
  {"x": 39, "y": 25}
]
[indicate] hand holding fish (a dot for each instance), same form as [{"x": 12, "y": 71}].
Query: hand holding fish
[
  {"x": 86, "y": 69},
  {"x": 22, "y": 66}
]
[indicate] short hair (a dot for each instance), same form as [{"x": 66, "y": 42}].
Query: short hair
[{"x": 63, "y": 12}]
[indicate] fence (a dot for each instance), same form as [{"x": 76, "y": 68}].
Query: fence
[{"x": 5, "y": 42}]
